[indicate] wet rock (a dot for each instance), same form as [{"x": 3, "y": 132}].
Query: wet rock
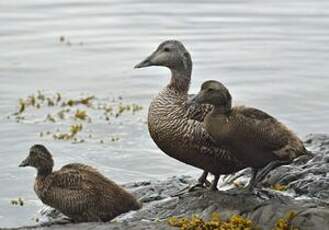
[
  {"x": 307, "y": 196},
  {"x": 310, "y": 178}
]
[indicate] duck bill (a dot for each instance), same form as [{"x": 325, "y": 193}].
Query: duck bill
[
  {"x": 197, "y": 99},
  {"x": 147, "y": 61},
  {"x": 25, "y": 163}
]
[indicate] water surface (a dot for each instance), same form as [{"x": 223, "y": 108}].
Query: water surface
[{"x": 271, "y": 54}]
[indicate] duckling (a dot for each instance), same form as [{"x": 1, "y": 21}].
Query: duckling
[
  {"x": 177, "y": 128},
  {"x": 79, "y": 191},
  {"x": 253, "y": 136}
]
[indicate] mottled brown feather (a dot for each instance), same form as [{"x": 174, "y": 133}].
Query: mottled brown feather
[
  {"x": 198, "y": 112},
  {"x": 185, "y": 139},
  {"x": 255, "y": 137},
  {"x": 77, "y": 190},
  {"x": 177, "y": 129}
]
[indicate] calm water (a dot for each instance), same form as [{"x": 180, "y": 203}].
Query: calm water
[{"x": 271, "y": 54}]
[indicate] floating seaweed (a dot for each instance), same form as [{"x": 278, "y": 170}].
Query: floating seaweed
[
  {"x": 80, "y": 114},
  {"x": 136, "y": 108},
  {"x": 61, "y": 113},
  {"x": 58, "y": 108},
  {"x": 19, "y": 201},
  {"x": 21, "y": 105},
  {"x": 115, "y": 139},
  {"x": 84, "y": 101},
  {"x": 122, "y": 108},
  {"x": 50, "y": 101},
  {"x": 73, "y": 131},
  {"x": 35, "y": 219},
  {"x": 50, "y": 118}
]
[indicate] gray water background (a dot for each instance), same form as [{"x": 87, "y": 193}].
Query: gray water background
[{"x": 271, "y": 54}]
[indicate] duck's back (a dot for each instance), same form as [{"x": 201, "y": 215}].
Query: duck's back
[
  {"x": 258, "y": 138},
  {"x": 185, "y": 139},
  {"x": 83, "y": 194}
]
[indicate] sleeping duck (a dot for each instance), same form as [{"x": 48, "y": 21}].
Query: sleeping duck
[
  {"x": 175, "y": 127},
  {"x": 254, "y": 137},
  {"x": 77, "y": 190}
]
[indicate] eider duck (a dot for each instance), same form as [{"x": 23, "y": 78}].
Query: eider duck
[
  {"x": 177, "y": 128},
  {"x": 77, "y": 190},
  {"x": 253, "y": 136}
]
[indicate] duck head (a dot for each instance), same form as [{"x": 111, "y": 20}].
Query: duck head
[
  {"x": 171, "y": 54},
  {"x": 39, "y": 158},
  {"x": 214, "y": 93}
]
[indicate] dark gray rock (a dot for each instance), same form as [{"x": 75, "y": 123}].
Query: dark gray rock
[
  {"x": 307, "y": 196},
  {"x": 310, "y": 178}
]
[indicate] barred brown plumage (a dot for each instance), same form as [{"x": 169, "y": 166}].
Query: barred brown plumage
[
  {"x": 253, "y": 136},
  {"x": 79, "y": 191},
  {"x": 175, "y": 127}
]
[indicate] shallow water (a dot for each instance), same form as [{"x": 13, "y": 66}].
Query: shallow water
[{"x": 271, "y": 54}]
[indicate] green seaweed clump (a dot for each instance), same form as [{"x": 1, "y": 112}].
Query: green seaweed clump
[
  {"x": 80, "y": 114},
  {"x": 235, "y": 222},
  {"x": 87, "y": 101},
  {"x": 123, "y": 108},
  {"x": 73, "y": 131},
  {"x": 22, "y": 106},
  {"x": 284, "y": 223}
]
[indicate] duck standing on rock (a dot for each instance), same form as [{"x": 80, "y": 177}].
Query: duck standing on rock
[
  {"x": 77, "y": 190},
  {"x": 177, "y": 129},
  {"x": 254, "y": 137}
]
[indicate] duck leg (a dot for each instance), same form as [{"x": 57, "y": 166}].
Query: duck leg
[
  {"x": 202, "y": 180},
  {"x": 213, "y": 186}
]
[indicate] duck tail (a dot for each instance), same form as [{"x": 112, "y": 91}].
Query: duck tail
[{"x": 137, "y": 205}]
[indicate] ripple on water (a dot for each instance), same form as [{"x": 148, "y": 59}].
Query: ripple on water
[{"x": 271, "y": 54}]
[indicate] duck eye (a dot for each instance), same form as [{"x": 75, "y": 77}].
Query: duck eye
[{"x": 166, "y": 49}]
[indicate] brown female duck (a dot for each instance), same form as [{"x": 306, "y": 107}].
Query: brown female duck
[
  {"x": 253, "y": 136},
  {"x": 177, "y": 129},
  {"x": 77, "y": 190}
]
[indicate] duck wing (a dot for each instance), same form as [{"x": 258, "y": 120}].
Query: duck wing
[
  {"x": 198, "y": 112},
  {"x": 89, "y": 172},
  {"x": 255, "y": 113},
  {"x": 79, "y": 166},
  {"x": 71, "y": 191},
  {"x": 262, "y": 129},
  {"x": 69, "y": 178}
]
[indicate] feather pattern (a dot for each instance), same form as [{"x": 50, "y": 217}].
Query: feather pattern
[
  {"x": 254, "y": 136},
  {"x": 179, "y": 132},
  {"x": 79, "y": 191}
]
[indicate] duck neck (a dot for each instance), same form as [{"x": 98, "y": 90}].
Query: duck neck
[
  {"x": 44, "y": 172},
  {"x": 181, "y": 77},
  {"x": 180, "y": 81}
]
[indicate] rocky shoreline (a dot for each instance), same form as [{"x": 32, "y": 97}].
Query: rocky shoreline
[{"x": 304, "y": 185}]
